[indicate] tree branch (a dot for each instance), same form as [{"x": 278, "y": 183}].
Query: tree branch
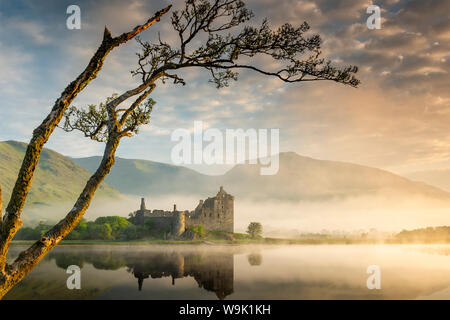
[
  {"x": 136, "y": 103},
  {"x": 296, "y": 52}
]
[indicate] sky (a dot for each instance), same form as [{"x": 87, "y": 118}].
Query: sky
[{"x": 398, "y": 119}]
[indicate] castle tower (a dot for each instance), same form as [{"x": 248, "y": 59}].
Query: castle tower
[
  {"x": 143, "y": 204},
  {"x": 140, "y": 214},
  {"x": 225, "y": 208},
  {"x": 179, "y": 222},
  {"x": 223, "y": 211}
]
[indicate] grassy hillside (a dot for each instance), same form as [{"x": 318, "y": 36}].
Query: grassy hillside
[{"x": 57, "y": 178}]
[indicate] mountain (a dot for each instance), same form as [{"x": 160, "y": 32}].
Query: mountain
[
  {"x": 142, "y": 177},
  {"x": 304, "y": 178},
  {"x": 303, "y": 194},
  {"x": 57, "y": 178},
  {"x": 299, "y": 178},
  {"x": 439, "y": 178}
]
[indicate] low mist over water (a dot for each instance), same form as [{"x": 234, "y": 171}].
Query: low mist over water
[
  {"x": 240, "y": 272},
  {"x": 280, "y": 218}
]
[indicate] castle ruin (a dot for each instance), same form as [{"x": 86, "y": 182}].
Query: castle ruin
[{"x": 214, "y": 214}]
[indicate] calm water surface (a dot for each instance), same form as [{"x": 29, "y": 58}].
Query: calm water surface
[{"x": 240, "y": 272}]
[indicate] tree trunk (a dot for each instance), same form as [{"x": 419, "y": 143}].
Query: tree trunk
[
  {"x": 12, "y": 222},
  {"x": 29, "y": 258},
  {"x": 2, "y": 258},
  {"x": 11, "y": 274}
]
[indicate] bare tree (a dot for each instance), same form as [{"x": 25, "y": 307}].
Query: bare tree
[
  {"x": 210, "y": 37},
  {"x": 11, "y": 274}
]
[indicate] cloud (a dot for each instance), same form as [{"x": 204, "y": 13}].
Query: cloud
[
  {"x": 13, "y": 63},
  {"x": 33, "y": 30},
  {"x": 397, "y": 119}
]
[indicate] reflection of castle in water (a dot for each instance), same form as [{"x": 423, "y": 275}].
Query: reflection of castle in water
[{"x": 213, "y": 272}]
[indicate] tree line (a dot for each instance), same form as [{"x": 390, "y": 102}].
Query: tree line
[
  {"x": 425, "y": 235},
  {"x": 103, "y": 228},
  {"x": 119, "y": 228}
]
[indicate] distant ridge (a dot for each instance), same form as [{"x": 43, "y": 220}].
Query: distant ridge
[
  {"x": 304, "y": 178},
  {"x": 439, "y": 178},
  {"x": 299, "y": 179},
  {"x": 143, "y": 177}
]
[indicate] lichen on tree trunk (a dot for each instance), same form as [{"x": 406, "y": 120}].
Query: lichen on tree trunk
[{"x": 29, "y": 258}]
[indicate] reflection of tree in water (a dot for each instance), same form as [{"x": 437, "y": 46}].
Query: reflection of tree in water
[
  {"x": 101, "y": 260},
  {"x": 212, "y": 271},
  {"x": 254, "y": 259},
  {"x": 64, "y": 259}
]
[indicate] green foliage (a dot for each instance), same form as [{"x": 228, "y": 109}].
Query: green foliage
[
  {"x": 104, "y": 228},
  {"x": 27, "y": 233},
  {"x": 80, "y": 231},
  {"x": 117, "y": 228},
  {"x": 220, "y": 235},
  {"x": 240, "y": 236},
  {"x": 149, "y": 224},
  {"x": 132, "y": 232},
  {"x": 93, "y": 120},
  {"x": 96, "y": 231},
  {"x": 254, "y": 229},
  {"x": 148, "y": 229},
  {"x": 194, "y": 232},
  {"x": 105, "y": 232},
  {"x": 199, "y": 230},
  {"x": 117, "y": 224}
]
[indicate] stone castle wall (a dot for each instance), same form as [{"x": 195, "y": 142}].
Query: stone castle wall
[
  {"x": 163, "y": 224},
  {"x": 216, "y": 214},
  {"x": 178, "y": 223}
]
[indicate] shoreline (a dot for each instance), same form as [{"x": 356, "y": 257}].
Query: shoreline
[{"x": 265, "y": 241}]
